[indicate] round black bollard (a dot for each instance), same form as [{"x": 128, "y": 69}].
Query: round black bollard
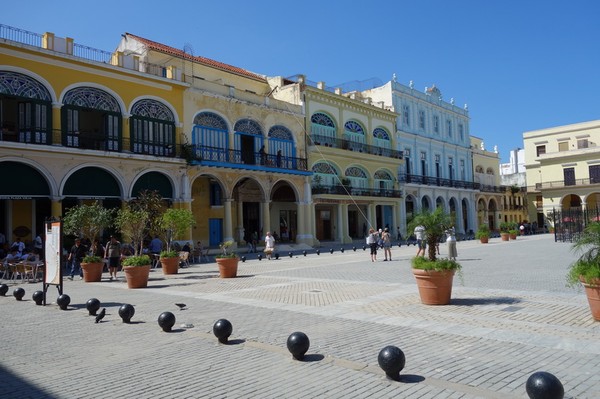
[
  {"x": 222, "y": 330},
  {"x": 38, "y": 297},
  {"x": 63, "y": 301},
  {"x": 364, "y": 247},
  {"x": 543, "y": 385},
  {"x": 318, "y": 252},
  {"x": 259, "y": 257},
  {"x": 342, "y": 250},
  {"x": 290, "y": 254},
  {"x": 391, "y": 360},
  {"x": 166, "y": 320},
  {"x": 354, "y": 249},
  {"x": 19, "y": 293},
  {"x": 298, "y": 343},
  {"x": 276, "y": 255},
  {"x": 330, "y": 250},
  {"x": 3, "y": 289},
  {"x": 126, "y": 312},
  {"x": 92, "y": 306},
  {"x": 304, "y": 253},
  {"x": 243, "y": 258}
]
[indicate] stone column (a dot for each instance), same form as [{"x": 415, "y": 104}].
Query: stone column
[
  {"x": 266, "y": 217},
  {"x": 227, "y": 223}
]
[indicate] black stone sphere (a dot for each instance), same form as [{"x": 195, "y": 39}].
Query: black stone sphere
[
  {"x": 354, "y": 249},
  {"x": 259, "y": 257},
  {"x": 290, "y": 254},
  {"x": 342, "y": 250},
  {"x": 126, "y": 312},
  {"x": 92, "y": 306},
  {"x": 330, "y": 250},
  {"x": 276, "y": 255},
  {"x": 38, "y": 297},
  {"x": 166, "y": 320},
  {"x": 543, "y": 385},
  {"x": 391, "y": 360},
  {"x": 364, "y": 247},
  {"x": 318, "y": 252},
  {"x": 243, "y": 258},
  {"x": 222, "y": 330},
  {"x": 19, "y": 293},
  {"x": 304, "y": 253},
  {"x": 298, "y": 343},
  {"x": 3, "y": 289},
  {"x": 63, "y": 301}
]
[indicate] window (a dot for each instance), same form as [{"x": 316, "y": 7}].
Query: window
[
  {"x": 436, "y": 124},
  {"x": 450, "y": 169},
  {"x": 563, "y": 146},
  {"x": 423, "y": 164},
  {"x": 422, "y": 119},
  {"x": 569, "y": 176},
  {"x": 540, "y": 150},
  {"x": 582, "y": 143},
  {"x": 594, "y": 174},
  {"x": 406, "y": 114},
  {"x": 449, "y": 127},
  {"x": 461, "y": 131},
  {"x": 462, "y": 169},
  {"x": 216, "y": 199}
]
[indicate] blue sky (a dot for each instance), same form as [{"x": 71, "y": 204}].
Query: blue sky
[{"x": 519, "y": 65}]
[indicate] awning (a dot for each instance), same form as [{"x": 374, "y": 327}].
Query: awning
[
  {"x": 154, "y": 181},
  {"x": 21, "y": 181}
]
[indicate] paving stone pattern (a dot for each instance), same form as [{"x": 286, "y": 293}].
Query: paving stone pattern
[{"x": 511, "y": 315}]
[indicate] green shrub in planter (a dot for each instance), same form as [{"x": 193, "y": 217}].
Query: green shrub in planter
[
  {"x": 169, "y": 254},
  {"x": 92, "y": 259},
  {"x": 439, "y": 264},
  {"x": 137, "y": 260}
]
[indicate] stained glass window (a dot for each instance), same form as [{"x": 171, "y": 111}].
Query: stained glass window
[
  {"x": 19, "y": 85},
  {"x": 90, "y": 97},
  {"x": 209, "y": 119},
  {"x": 248, "y": 126},
  {"x": 152, "y": 109},
  {"x": 322, "y": 119}
]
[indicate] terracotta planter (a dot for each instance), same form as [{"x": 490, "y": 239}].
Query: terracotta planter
[
  {"x": 227, "y": 267},
  {"x": 170, "y": 265},
  {"x": 137, "y": 276},
  {"x": 593, "y": 295},
  {"x": 92, "y": 272},
  {"x": 513, "y": 236},
  {"x": 505, "y": 236},
  {"x": 484, "y": 240},
  {"x": 435, "y": 287}
]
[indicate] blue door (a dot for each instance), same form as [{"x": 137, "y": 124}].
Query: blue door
[{"x": 215, "y": 231}]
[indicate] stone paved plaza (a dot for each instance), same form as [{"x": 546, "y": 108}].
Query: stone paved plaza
[{"x": 511, "y": 315}]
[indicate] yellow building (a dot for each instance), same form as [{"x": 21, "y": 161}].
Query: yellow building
[
  {"x": 352, "y": 152},
  {"x": 563, "y": 169},
  {"x": 81, "y": 124}
]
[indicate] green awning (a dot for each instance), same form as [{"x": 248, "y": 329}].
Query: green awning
[
  {"x": 153, "y": 181},
  {"x": 20, "y": 180},
  {"x": 92, "y": 182}
]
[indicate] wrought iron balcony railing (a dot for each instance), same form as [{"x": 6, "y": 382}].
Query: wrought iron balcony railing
[
  {"x": 354, "y": 146},
  {"x": 436, "y": 181},
  {"x": 339, "y": 189}
]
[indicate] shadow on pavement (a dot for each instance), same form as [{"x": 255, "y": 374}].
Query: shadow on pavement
[
  {"x": 484, "y": 301},
  {"x": 14, "y": 386}
]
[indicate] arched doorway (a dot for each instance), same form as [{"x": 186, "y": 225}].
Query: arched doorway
[{"x": 284, "y": 211}]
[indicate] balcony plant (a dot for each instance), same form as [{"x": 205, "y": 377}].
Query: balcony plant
[
  {"x": 434, "y": 276},
  {"x": 227, "y": 260},
  {"x": 586, "y": 269},
  {"x": 87, "y": 222},
  {"x": 483, "y": 233},
  {"x": 174, "y": 222}
]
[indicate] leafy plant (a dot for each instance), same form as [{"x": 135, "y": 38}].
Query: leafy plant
[
  {"x": 175, "y": 222},
  {"x": 483, "y": 231},
  {"x": 91, "y": 259},
  {"x": 133, "y": 223},
  {"x": 419, "y": 262},
  {"x": 513, "y": 232},
  {"x": 225, "y": 250},
  {"x": 87, "y": 221},
  {"x": 169, "y": 254},
  {"x": 587, "y": 266},
  {"x": 137, "y": 260},
  {"x": 435, "y": 223},
  {"x": 505, "y": 227}
]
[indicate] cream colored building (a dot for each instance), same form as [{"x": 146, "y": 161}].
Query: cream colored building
[{"x": 563, "y": 169}]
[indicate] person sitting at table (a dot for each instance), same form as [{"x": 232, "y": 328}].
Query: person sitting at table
[
  {"x": 186, "y": 247},
  {"x": 155, "y": 246},
  {"x": 20, "y": 245}
]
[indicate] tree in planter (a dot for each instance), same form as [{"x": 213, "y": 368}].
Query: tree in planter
[
  {"x": 483, "y": 232},
  {"x": 586, "y": 269},
  {"x": 175, "y": 222},
  {"x": 133, "y": 223},
  {"x": 436, "y": 223}
]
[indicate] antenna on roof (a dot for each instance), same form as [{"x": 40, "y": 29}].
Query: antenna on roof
[{"x": 188, "y": 49}]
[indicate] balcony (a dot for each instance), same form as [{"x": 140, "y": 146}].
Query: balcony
[
  {"x": 437, "y": 181},
  {"x": 563, "y": 183},
  {"x": 354, "y": 146},
  {"x": 338, "y": 189}
]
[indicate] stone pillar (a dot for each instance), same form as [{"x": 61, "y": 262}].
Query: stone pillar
[
  {"x": 239, "y": 230},
  {"x": 227, "y": 223},
  {"x": 56, "y": 207},
  {"x": 266, "y": 217}
]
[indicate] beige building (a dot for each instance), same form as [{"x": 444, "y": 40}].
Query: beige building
[{"x": 563, "y": 169}]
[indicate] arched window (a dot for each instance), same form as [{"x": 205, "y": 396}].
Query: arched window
[
  {"x": 25, "y": 109},
  {"x": 358, "y": 177},
  {"x": 281, "y": 147},
  {"x": 381, "y": 138},
  {"x": 325, "y": 174},
  {"x": 152, "y": 128},
  {"x": 479, "y": 169},
  {"x": 249, "y": 142},
  {"x": 98, "y": 127},
  {"x": 383, "y": 180},
  {"x": 322, "y": 129},
  {"x": 489, "y": 171},
  {"x": 355, "y": 135},
  {"x": 210, "y": 136}
]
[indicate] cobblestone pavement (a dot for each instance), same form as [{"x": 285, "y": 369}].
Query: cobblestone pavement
[{"x": 511, "y": 315}]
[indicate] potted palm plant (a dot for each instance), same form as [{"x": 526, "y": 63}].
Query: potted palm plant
[
  {"x": 434, "y": 276},
  {"x": 87, "y": 222},
  {"x": 227, "y": 260},
  {"x": 586, "y": 269},
  {"x": 175, "y": 223},
  {"x": 483, "y": 233}
]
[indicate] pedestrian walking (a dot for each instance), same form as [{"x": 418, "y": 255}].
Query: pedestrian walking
[
  {"x": 112, "y": 252},
  {"x": 76, "y": 255},
  {"x": 387, "y": 244},
  {"x": 420, "y": 237}
]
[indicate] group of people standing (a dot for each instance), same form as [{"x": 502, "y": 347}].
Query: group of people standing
[
  {"x": 380, "y": 239},
  {"x": 112, "y": 252}
]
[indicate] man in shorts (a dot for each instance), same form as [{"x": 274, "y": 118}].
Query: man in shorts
[{"x": 421, "y": 243}]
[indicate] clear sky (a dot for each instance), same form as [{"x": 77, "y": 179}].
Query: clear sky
[{"x": 519, "y": 65}]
